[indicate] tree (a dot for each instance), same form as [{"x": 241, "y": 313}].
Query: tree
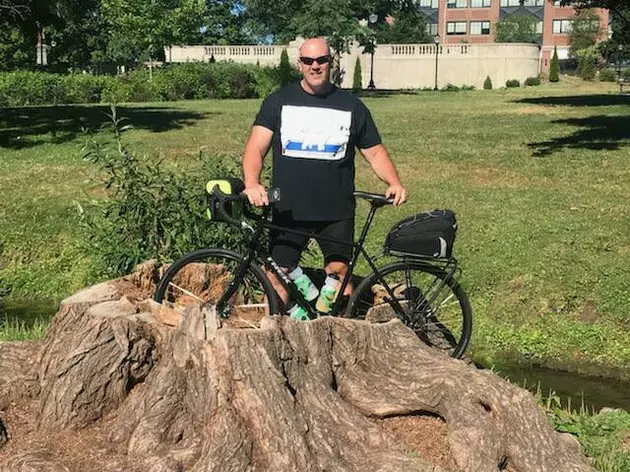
[
  {"x": 587, "y": 59},
  {"x": 357, "y": 79},
  {"x": 409, "y": 26},
  {"x": 139, "y": 30},
  {"x": 174, "y": 390},
  {"x": 285, "y": 71},
  {"x": 517, "y": 28},
  {"x": 487, "y": 84},
  {"x": 619, "y": 12},
  {"x": 584, "y": 31},
  {"x": 554, "y": 67}
]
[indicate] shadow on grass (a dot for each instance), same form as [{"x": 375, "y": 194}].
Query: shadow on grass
[
  {"x": 600, "y": 132},
  {"x": 579, "y": 100},
  {"x": 26, "y": 127}
]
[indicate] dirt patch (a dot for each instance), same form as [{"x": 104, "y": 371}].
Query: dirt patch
[
  {"x": 425, "y": 436},
  {"x": 91, "y": 449},
  {"x": 588, "y": 313},
  {"x": 87, "y": 451}
]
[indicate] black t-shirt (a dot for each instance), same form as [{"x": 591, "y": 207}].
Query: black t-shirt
[{"x": 313, "y": 147}]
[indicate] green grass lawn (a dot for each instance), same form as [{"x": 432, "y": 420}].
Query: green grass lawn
[{"x": 538, "y": 178}]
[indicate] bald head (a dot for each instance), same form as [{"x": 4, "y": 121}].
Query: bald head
[{"x": 314, "y": 47}]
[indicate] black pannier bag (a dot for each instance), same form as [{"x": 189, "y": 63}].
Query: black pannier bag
[{"x": 428, "y": 234}]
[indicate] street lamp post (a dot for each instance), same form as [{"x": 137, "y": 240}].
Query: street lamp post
[
  {"x": 436, "y": 41},
  {"x": 373, "y": 18}
]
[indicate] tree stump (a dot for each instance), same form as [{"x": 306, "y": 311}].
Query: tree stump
[{"x": 143, "y": 388}]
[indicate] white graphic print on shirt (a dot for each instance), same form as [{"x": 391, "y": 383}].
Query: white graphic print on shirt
[{"x": 314, "y": 133}]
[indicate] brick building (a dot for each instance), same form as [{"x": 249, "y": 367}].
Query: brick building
[{"x": 473, "y": 21}]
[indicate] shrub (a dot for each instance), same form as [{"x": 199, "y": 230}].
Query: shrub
[
  {"x": 133, "y": 87},
  {"x": 587, "y": 59},
  {"x": 266, "y": 81},
  {"x": 31, "y": 88},
  {"x": 512, "y": 83},
  {"x": 554, "y": 67},
  {"x": 195, "y": 80},
  {"x": 450, "y": 88},
  {"x": 467, "y": 87},
  {"x": 625, "y": 74},
  {"x": 151, "y": 211},
  {"x": 84, "y": 88},
  {"x": 487, "y": 84},
  {"x": 357, "y": 80},
  {"x": 534, "y": 80},
  {"x": 608, "y": 75},
  {"x": 286, "y": 73}
]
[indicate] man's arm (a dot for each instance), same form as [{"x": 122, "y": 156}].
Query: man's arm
[
  {"x": 256, "y": 149},
  {"x": 378, "y": 158}
]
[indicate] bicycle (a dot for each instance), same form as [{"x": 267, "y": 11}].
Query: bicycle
[{"x": 422, "y": 291}]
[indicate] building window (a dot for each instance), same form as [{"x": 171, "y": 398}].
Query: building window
[
  {"x": 432, "y": 29},
  {"x": 534, "y": 3},
  {"x": 456, "y": 3},
  {"x": 539, "y": 27},
  {"x": 479, "y": 3},
  {"x": 479, "y": 27},
  {"x": 510, "y": 3},
  {"x": 561, "y": 26},
  {"x": 456, "y": 27},
  {"x": 428, "y": 4}
]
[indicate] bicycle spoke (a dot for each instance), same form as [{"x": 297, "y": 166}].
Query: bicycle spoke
[{"x": 430, "y": 304}]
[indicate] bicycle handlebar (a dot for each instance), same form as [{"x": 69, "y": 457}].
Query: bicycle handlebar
[{"x": 274, "y": 195}]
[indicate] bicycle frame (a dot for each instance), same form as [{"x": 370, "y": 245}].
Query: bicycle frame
[{"x": 255, "y": 252}]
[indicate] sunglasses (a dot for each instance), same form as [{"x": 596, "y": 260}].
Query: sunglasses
[{"x": 308, "y": 61}]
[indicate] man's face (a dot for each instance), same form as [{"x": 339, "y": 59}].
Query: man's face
[{"x": 315, "y": 64}]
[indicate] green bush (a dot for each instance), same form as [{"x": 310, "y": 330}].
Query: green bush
[
  {"x": 534, "y": 80},
  {"x": 266, "y": 81},
  {"x": 150, "y": 211},
  {"x": 608, "y": 75},
  {"x": 133, "y": 87},
  {"x": 625, "y": 74},
  {"x": 31, "y": 88},
  {"x": 357, "y": 80},
  {"x": 554, "y": 67},
  {"x": 194, "y": 80},
  {"x": 587, "y": 67},
  {"x": 450, "y": 88},
  {"x": 286, "y": 73},
  {"x": 467, "y": 87},
  {"x": 487, "y": 84},
  {"x": 512, "y": 83},
  {"x": 84, "y": 88}
]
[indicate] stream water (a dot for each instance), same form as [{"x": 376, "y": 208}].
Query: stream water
[{"x": 592, "y": 392}]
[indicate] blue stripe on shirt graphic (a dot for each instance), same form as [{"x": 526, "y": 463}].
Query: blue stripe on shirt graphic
[{"x": 319, "y": 148}]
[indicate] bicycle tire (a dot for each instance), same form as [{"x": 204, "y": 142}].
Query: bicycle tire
[
  {"x": 447, "y": 328},
  {"x": 203, "y": 276}
]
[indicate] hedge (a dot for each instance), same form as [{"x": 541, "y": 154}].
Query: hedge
[{"x": 195, "y": 80}]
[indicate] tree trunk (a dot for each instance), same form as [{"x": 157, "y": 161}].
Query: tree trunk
[{"x": 170, "y": 392}]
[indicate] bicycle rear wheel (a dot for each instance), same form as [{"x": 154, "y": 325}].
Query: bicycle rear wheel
[
  {"x": 202, "y": 277},
  {"x": 430, "y": 302}
]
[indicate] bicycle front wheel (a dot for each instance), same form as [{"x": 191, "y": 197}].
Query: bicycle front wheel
[
  {"x": 204, "y": 276},
  {"x": 429, "y": 301}
]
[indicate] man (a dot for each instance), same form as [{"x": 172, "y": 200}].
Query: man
[{"x": 313, "y": 128}]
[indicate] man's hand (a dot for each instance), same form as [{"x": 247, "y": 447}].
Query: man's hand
[
  {"x": 398, "y": 193},
  {"x": 257, "y": 195}
]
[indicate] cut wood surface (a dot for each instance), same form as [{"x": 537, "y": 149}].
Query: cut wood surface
[{"x": 121, "y": 383}]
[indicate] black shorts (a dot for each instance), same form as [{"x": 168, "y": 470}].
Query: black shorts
[{"x": 286, "y": 248}]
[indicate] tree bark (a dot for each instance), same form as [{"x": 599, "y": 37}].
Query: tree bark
[{"x": 176, "y": 393}]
